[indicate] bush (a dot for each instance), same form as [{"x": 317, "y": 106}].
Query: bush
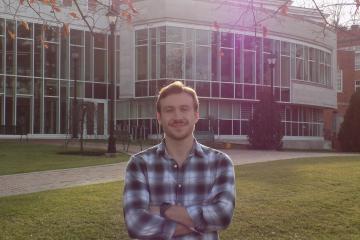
[
  {"x": 349, "y": 134},
  {"x": 265, "y": 131}
]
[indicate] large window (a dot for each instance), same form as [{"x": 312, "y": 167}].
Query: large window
[
  {"x": 357, "y": 85},
  {"x": 357, "y": 61},
  {"x": 227, "y": 57},
  {"x": 141, "y": 58},
  {"x": 224, "y": 64},
  {"x": 24, "y": 57},
  {"x": 299, "y": 62},
  {"x": 249, "y": 59},
  {"x": 339, "y": 80}
]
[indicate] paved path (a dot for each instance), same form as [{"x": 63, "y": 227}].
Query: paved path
[{"x": 46, "y": 180}]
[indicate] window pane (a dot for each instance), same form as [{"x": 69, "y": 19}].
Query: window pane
[
  {"x": 141, "y": 89},
  {"x": 99, "y": 91},
  {"x": 76, "y": 37},
  {"x": 163, "y": 61},
  {"x": 64, "y": 58},
  {"x": 2, "y": 26},
  {"x": 202, "y": 37},
  {"x": 50, "y": 112},
  {"x": 227, "y": 90},
  {"x": 51, "y": 87},
  {"x": 238, "y": 63},
  {"x": 203, "y": 89},
  {"x": 24, "y": 29},
  {"x": 24, "y": 86},
  {"x": 204, "y": 109},
  {"x": 99, "y": 40},
  {"x": 202, "y": 63},
  {"x": 215, "y": 56},
  {"x": 24, "y": 56},
  {"x": 225, "y": 127},
  {"x": 10, "y": 47},
  {"x": 215, "y": 89},
  {"x": 141, "y": 37},
  {"x": 1, "y": 85},
  {"x": 225, "y": 110},
  {"x": 245, "y": 111},
  {"x": 141, "y": 62},
  {"x": 249, "y": 67},
  {"x": 249, "y": 43},
  {"x": 227, "y": 40},
  {"x": 2, "y": 51},
  {"x": 52, "y": 34},
  {"x": 285, "y": 48},
  {"x": 268, "y": 45},
  {"x": 239, "y": 91},
  {"x": 188, "y": 63},
  {"x": 174, "y": 57},
  {"x": 285, "y": 71},
  {"x": 174, "y": 34},
  {"x": 10, "y": 86},
  {"x": 51, "y": 63},
  {"x": 227, "y": 65},
  {"x": 99, "y": 65}
]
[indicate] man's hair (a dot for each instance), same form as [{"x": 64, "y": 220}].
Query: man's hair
[{"x": 176, "y": 88}]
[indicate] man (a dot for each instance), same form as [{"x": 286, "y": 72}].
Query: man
[{"x": 178, "y": 189}]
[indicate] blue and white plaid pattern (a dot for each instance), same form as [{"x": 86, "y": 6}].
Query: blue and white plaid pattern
[{"x": 204, "y": 185}]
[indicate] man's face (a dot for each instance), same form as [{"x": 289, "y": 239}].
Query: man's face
[{"x": 177, "y": 116}]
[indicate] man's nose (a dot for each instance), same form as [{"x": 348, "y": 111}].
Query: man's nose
[{"x": 178, "y": 114}]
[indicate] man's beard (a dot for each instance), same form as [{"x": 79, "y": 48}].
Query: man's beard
[{"x": 184, "y": 135}]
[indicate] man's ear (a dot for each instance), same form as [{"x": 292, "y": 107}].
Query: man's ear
[{"x": 197, "y": 116}]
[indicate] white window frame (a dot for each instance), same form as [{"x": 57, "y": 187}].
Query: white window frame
[
  {"x": 357, "y": 61},
  {"x": 339, "y": 80},
  {"x": 357, "y": 85}
]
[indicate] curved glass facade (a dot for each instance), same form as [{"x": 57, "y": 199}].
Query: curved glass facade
[
  {"x": 39, "y": 67},
  {"x": 229, "y": 71}
]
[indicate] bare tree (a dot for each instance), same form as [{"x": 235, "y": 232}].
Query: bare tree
[
  {"x": 66, "y": 12},
  {"x": 335, "y": 13}
]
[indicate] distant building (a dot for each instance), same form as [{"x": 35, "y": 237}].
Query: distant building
[
  {"x": 348, "y": 78},
  {"x": 201, "y": 42}
]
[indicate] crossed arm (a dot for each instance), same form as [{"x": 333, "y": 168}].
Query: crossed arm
[
  {"x": 144, "y": 222},
  {"x": 179, "y": 215}
]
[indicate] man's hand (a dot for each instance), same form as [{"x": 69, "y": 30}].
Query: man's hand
[
  {"x": 181, "y": 229},
  {"x": 179, "y": 214}
]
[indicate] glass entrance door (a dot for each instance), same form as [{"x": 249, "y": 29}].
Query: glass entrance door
[
  {"x": 95, "y": 118},
  {"x": 23, "y": 108}
]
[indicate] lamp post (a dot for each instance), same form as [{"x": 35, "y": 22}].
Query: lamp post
[
  {"x": 75, "y": 124},
  {"x": 112, "y": 17},
  {"x": 272, "y": 61}
]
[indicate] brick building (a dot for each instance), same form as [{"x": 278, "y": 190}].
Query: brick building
[{"x": 348, "y": 59}]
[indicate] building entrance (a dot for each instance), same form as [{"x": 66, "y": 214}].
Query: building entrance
[
  {"x": 94, "y": 118},
  {"x": 23, "y": 122}
]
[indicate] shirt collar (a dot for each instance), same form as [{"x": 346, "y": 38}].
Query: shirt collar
[{"x": 196, "y": 149}]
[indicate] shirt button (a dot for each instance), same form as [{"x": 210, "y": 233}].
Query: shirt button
[
  {"x": 179, "y": 185},
  {"x": 175, "y": 166}
]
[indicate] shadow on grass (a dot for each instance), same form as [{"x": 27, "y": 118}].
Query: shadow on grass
[{"x": 91, "y": 153}]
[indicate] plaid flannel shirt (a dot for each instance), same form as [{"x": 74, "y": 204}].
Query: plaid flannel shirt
[{"x": 204, "y": 185}]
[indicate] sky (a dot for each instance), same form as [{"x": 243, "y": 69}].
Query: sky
[{"x": 348, "y": 8}]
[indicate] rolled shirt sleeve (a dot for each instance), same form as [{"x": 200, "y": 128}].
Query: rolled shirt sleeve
[{"x": 216, "y": 213}]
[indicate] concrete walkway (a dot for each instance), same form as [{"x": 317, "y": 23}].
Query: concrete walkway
[{"x": 46, "y": 180}]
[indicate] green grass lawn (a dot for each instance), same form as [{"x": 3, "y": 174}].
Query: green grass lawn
[
  {"x": 289, "y": 199},
  {"x": 26, "y": 157}
]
